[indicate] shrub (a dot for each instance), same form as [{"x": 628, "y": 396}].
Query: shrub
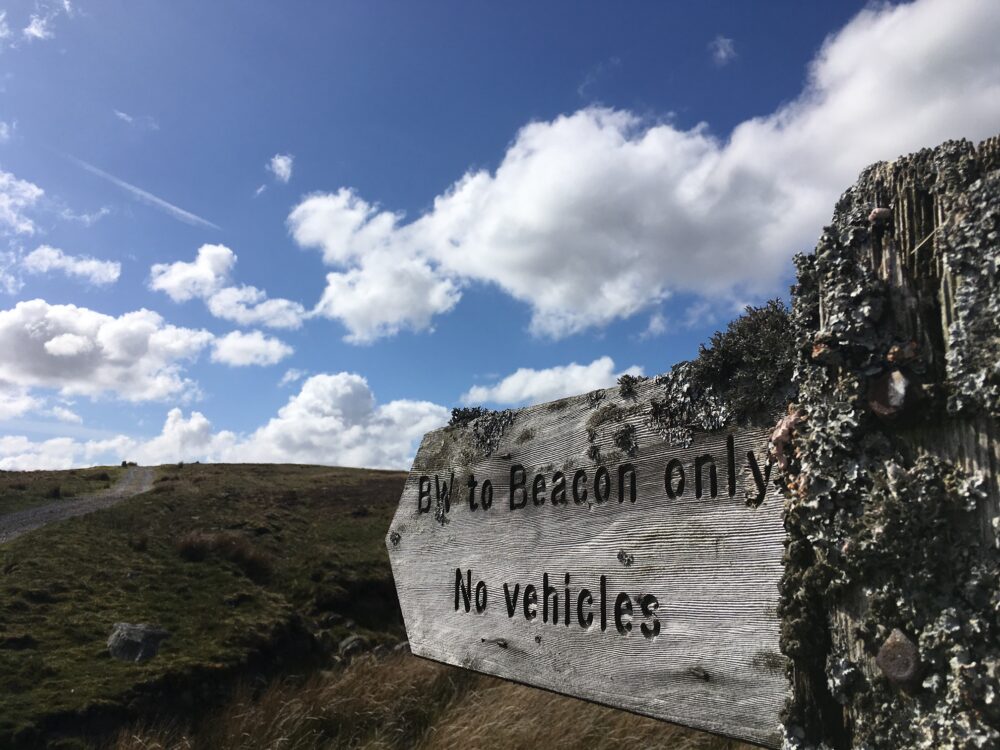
[{"x": 463, "y": 415}]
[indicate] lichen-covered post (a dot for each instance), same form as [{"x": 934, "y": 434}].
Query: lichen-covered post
[{"x": 891, "y": 595}]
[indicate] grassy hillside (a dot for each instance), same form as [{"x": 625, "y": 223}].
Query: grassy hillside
[
  {"x": 20, "y": 490},
  {"x": 259, "y": 573},
  {"x": 232, "y": 560}
]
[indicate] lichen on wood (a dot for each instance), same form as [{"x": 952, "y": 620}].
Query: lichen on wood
[{"x": 891, "y": 463}]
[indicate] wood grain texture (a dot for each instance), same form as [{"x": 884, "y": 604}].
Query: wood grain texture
[{"x": 712, "y": 563}]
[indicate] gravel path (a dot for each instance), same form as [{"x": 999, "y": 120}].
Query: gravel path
[{"x": 135, "y": 480}]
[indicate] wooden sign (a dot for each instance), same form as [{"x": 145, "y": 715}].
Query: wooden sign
[{"x": 573, "y": 547}]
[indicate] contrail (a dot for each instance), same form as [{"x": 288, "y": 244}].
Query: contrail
[{"x": 178, "y": 213}]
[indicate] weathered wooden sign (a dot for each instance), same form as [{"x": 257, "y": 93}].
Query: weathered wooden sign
[
  {"x": 626, "y": 546},
  {"x": 578, "y": 547}
]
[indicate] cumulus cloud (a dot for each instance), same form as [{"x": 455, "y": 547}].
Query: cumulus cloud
[
  {"x": 15, "y": 401},
  {"x": 18, "y": 453},
  {"x": 184, "y": 281},
  {"x": 207, "y": 278},
  {"x": 281, "y": 167},
  {"x": 135, "y": 356},
  {"x": 386, "y": 294},
  {"x": 17, "y": 197},
  {"x": 528, "y": 386},
  {"x": 333, "y": 420},
  {"x": 45, "y": 258},
  {"x": 248, "y": 306},
  {"x": 239, "y": 349},
  {"x": 723, "y": 50},
  {"x": 342, "y": 225},
  {"x": 600, "y": 214}
]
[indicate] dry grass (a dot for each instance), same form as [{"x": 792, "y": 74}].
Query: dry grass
[
  {"x": 403, "y": 702},
  {"x": 195, "y": 546}
]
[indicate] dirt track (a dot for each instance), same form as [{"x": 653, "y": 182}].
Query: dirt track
[{"x": 135, "y": 481}]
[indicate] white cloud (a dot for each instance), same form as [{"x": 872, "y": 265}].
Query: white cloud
[
  {"x": 528, "y": 386},
  {"x": 15, "y": 401},
  {"x": 18, "y": 453},
  {"x": 342, "y": 225},
  {"x": 39, "y": 27},
  {"x": 140, "y": 122},
  {"x": 292, "y": 375},
  {"x": 45, "y": 258},
  {"x": 135, "y": 356},
  {"x": 248, "y": 305},
  {"x": 723, "y": 50},
  {"x": 10, "y": 278},
  {"x": 658, "y": 325},
  {"x": 16, "y": 197},
  {"x": 200, "y": 278},
  {"x": 207, "y": 278},
  {"x": 332, "y": 420},
  {"x": 239, "y": 349},
  {"x": 598, "y": 215},
  {"x": 385, "y": 295},
  {"x": 84, "y": 218},
  {"x": 5, "y": 32},
  {"x": 69, "y": 345},
  {"x": 65, "y": 415},
  {"x": 281, "y": 167},
  {"x": 6, "y": 130}
]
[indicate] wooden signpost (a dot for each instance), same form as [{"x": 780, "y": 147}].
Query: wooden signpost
[
  {"x": 644, "y": 578},
  {"x": 808, "y": 563}
]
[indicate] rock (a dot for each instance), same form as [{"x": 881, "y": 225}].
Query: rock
[
  {"x": 351, "y": 645},
  {"x": 135, "y": 643}
]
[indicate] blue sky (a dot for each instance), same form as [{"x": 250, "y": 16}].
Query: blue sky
[{"x": 303, "y": 232}]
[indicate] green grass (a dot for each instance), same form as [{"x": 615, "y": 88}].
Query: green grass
[
  {"x": 283, "y": 543},
  {"x": 20, "y": 490}
]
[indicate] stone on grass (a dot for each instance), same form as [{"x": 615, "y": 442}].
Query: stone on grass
[{"x": 135, "y": 642}]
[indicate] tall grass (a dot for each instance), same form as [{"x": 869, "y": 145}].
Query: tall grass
[
  {"x": 195, "y": 546},
  {"x": 402, "y": 702}
]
